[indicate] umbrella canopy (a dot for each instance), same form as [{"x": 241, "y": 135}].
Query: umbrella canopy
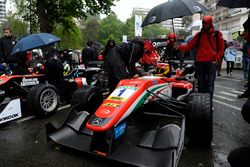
[
  {"x": 246, "y": 24},
  {"x": 173, "y": 9},
  {"x": 234, "y": 3},
  {"x": 197, "y": 25},
  {"x": 33, "y": 41}
]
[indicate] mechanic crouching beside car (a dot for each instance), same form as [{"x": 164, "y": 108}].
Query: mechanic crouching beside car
[
  {"x": 120, "y": 61},
  {"x": 210, "y": 49},
  {"x": 54, "y": 69}
]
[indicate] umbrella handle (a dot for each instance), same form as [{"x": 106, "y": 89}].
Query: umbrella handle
[{"x": 173, "y": 24}]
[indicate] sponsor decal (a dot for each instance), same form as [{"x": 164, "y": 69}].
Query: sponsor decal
[
  {"x": 120, "y": 130},
  {"x": 97, "y": 121},
  {"x": 117, "y": 98},
  {"x": 111, "y": 104},
  {"x": 122, "y": 93},
  {"x": 9, "y": 117},
  {"x": 29, "y": 81},
  {"x": 155, "y": 82},
  {"x": 197, "y": 9},
  {"x": 152, "y": 19},
  {"x": 128, "y": 87},
  {"x": 10, "y": 111},
  {"x": 1, "y": 80},
  {"x": 106, "y": 112}
]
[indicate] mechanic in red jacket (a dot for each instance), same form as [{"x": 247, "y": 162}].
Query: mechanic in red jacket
[{"x": 210, "y": 49}]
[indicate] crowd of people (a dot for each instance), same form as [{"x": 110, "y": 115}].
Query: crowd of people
[{"x": 119, "y": 62}]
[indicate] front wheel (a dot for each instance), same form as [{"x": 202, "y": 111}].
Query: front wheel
[
  {"x": 199, "y": 119},
  {"x": 43, "y": 99},
  {"x": 88, "y": 98}
]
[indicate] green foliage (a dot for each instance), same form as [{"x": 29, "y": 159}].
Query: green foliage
[
  {"x": 19, "y": 27},
  {"x": 182, "y": 34},
  {"x": 26, "y": 10},
  {"x": 154, "y": 31},
  {"x": 69, "y": 38},
  {"x": 129, "y": 28},
  {"x": 90, "y": 32},
  {"x": 111, "y": 27},
  {"x": 49, "y": 13}
]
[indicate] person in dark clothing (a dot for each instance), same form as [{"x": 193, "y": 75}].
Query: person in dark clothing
[
  {"x": 170, "y": 52},
  {"x": 219, "y": 63},
  {"x": 239, "y": 157},
  {"x": 120, "y": 61},
  {"x": 7, "y": 42},
  {"x": 246, "y": 55},
  {"x": 53, "y": 67},
  {"x": 210, "y": 49},
  {"x": 22, "y": 67},
  {"x": 89, "y": 53},
  {"x": 110, "y": 44}
]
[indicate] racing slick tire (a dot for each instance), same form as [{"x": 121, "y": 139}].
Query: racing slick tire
[
  {"x": 199, "y": 120},
  {"x": 43, "y": 99},
  {"x": 88, "y": 98}
]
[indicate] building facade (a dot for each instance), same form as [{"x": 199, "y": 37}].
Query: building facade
[
  {"x": 226, "y": 19},
  {"x": 2, "y": 10}
]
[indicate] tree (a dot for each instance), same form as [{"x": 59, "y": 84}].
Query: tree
[
  {"x": 91, "y": 30},
  {"x": 110, "y": 27},
  {"x": 129, "y": 27},
  {"x": 51, "y": 12},
  {"x": 69, "y": 38},
  {"x": 18, "y": 27},
  {"x": 26, "y": 11},
  {"x": 154, "y": 31}
]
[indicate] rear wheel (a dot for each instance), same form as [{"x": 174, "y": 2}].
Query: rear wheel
[
  {"x": 199, "y": 119},
  {"x": 43, "y": 99}
]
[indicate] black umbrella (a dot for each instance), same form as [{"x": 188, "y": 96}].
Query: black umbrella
[
  {"x": 246, "y": 24},
  {"x": 173, "y": 9},
  {"x": 234, "y": 3}
]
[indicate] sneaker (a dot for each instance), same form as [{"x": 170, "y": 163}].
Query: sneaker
[
  {"x": 242, "y": 96},
  {"x": 231, "y": 73}
]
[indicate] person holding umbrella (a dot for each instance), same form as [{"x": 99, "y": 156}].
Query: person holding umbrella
[{"x": 210, "y": 49}]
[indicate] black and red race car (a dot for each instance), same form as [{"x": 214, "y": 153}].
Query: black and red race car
[
  {"x": 143, "y": 122},
  {"x": 41, "y": 98}
]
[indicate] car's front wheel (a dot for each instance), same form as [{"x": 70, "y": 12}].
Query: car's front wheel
[
  {"x": 43, "y": 99},
  {"x": 199, "y": 119}
]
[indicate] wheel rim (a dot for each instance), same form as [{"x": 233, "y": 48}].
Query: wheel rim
[{"x": 48, "y": 100}]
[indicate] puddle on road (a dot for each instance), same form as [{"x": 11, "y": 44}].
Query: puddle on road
[{"x": 220, "y": 160}]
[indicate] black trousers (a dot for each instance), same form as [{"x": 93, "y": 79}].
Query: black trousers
[
  {"x": 239, "y": 157},
  {"x": 230, "y": 66}
]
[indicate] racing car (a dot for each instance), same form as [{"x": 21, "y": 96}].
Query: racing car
[
  {"x": 38, "y": 96},
  {"x": 143, "y": 122}
]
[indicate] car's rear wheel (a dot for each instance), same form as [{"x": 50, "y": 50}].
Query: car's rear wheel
[
  {"x": 199, "y": 119},
  {"x": 43, "y": 99}
]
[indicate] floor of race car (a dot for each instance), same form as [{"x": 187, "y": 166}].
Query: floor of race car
[{"x": 128, "y": 150}]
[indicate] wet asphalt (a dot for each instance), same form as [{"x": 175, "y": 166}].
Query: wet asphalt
[{"x": 23, "y": 142}]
